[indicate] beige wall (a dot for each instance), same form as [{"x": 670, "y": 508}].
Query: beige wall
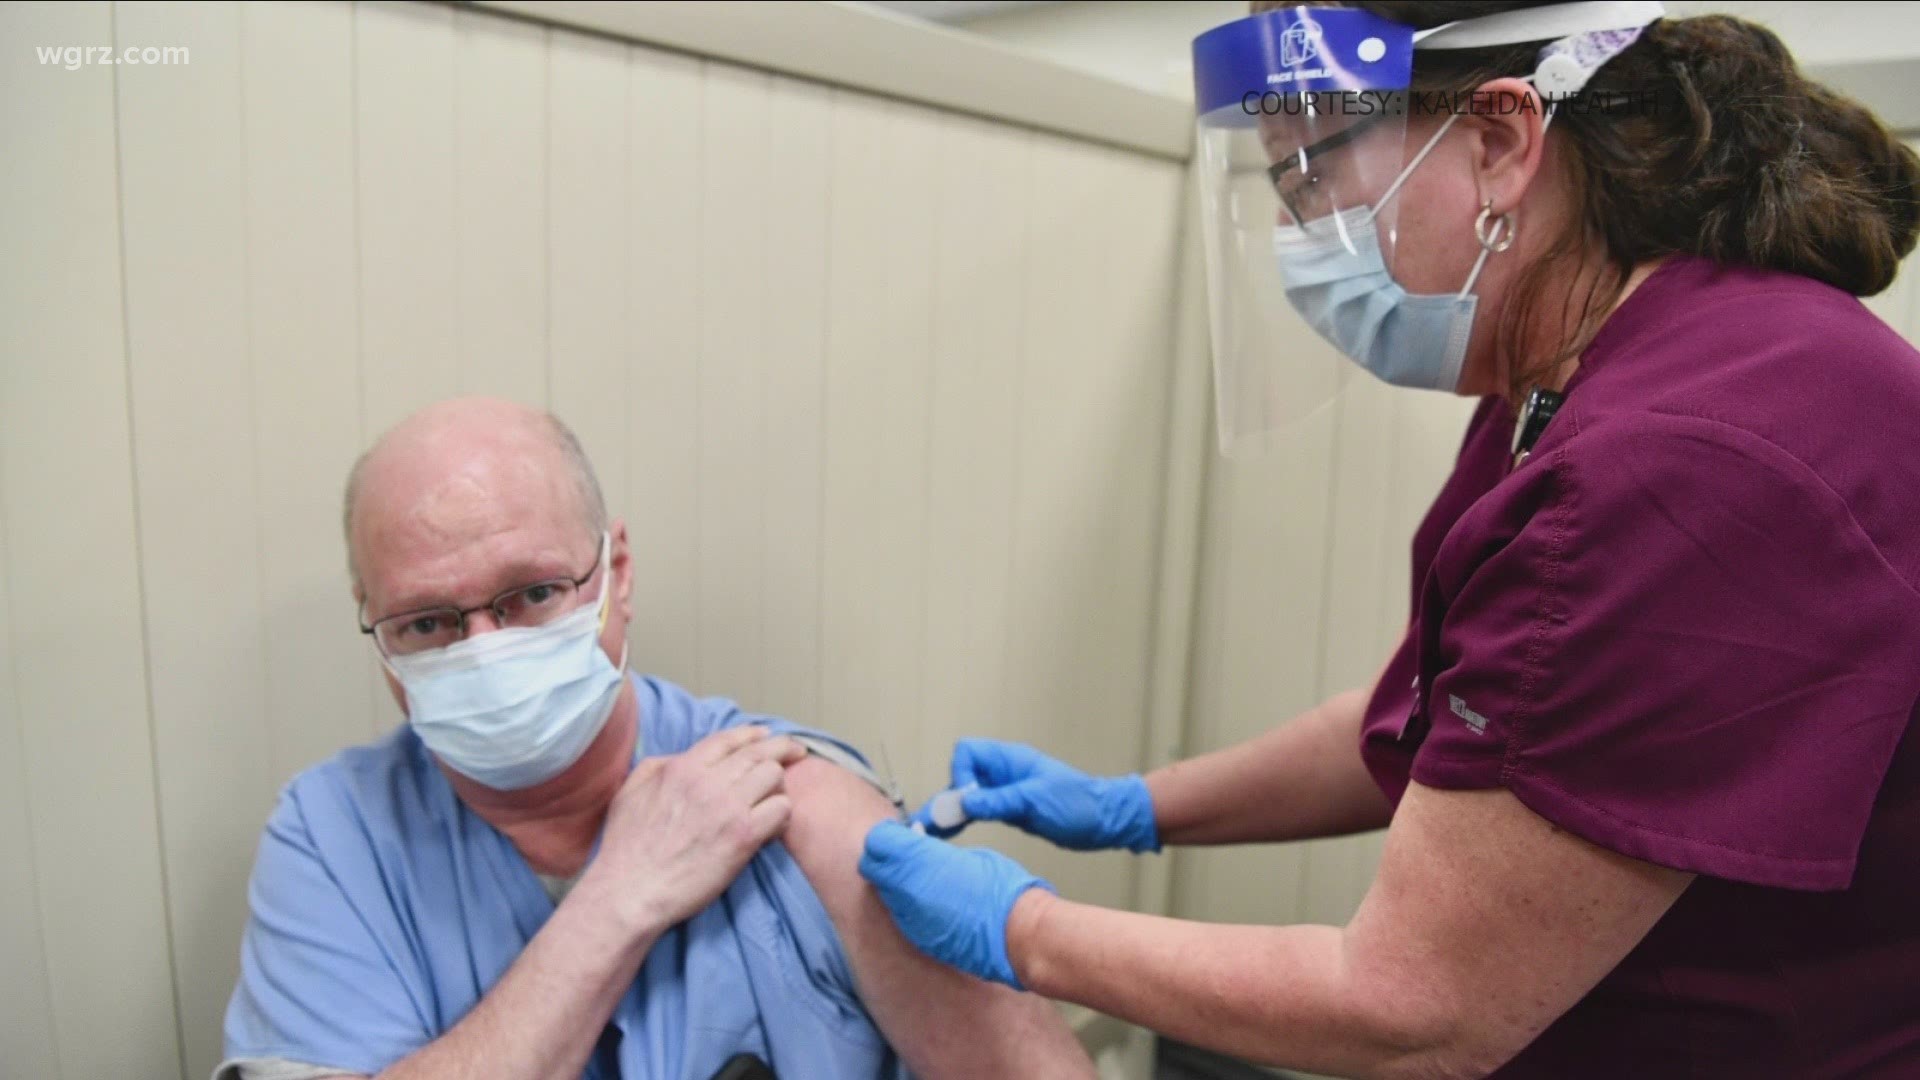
[{"x": 881, "y": 391}]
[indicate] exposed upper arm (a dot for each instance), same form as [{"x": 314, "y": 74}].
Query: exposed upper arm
[
  {"x": 1486, "y": 923},
  {"x": 942, "y": 1022}
]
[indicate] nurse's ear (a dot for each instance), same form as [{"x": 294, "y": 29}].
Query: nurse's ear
[{"x": 1507, "y": 133}]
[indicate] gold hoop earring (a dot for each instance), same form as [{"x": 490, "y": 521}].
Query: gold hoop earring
[{"x": 1498, "y": 236}]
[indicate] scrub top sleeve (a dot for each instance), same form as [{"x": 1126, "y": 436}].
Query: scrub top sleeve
[
  {"x": 315, "y": 985},
  {"x": 1685, "y": 650}
]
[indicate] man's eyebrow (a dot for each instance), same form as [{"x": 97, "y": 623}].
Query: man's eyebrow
[{"x": 514, "y": 574}]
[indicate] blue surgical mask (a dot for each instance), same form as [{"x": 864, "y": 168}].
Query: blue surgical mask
[
  {"x": 515, "y": 707},
  {"x": 1337, "y": 280}
]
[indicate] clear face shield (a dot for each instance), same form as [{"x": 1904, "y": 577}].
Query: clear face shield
[
  {"x": 1302, "y": 124},
  {"x": 1302, "y": 148}
]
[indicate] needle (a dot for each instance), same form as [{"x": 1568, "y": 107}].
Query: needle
[{"x": 893, "y": 785}]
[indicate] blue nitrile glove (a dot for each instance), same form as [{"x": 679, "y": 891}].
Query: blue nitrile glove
[
  {"x": 951, "y": 902},
  {"x": 1027, "y": 789}
]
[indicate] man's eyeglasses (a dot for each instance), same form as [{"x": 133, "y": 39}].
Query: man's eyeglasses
[{"x": 435, "y": 628}]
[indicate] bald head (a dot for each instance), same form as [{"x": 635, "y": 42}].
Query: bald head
[{"x": 468, "y": 473}]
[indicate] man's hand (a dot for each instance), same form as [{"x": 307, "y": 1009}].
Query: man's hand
[
  {"x": 678, "y": 832},
  {"x": 683, "y": 826}
]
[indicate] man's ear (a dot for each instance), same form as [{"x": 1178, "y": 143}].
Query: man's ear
[
  {"x": 620, "y": 564},
  {"x": 1508, "y": 132}
]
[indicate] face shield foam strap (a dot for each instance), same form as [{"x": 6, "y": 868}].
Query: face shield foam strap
[
  {"x": 1539, "y": 24},
  {"x": 1581, "y": 38}
]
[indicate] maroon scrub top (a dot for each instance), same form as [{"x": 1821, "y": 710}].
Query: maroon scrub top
[{"x": 1687, "y": 629}]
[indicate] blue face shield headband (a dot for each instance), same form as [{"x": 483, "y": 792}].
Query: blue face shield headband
[{"x": 1301, "y": 124}]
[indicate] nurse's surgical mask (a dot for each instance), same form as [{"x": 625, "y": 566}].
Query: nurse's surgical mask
[
  {"x": 516, "y": 706},
  {"x": 1337, "y": 280}
]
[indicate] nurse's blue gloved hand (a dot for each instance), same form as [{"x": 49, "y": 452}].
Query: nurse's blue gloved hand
[
  {"x": 951, "y": 902},
  {"x": 1029, "y": 790}
]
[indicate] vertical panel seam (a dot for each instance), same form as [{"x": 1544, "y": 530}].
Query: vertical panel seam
[
  {"x": 546, "y": 214},
  {"x": 22, "y": 786},
  {"x": 359, "y": 253},
  {"x": 1222, "y": 493},
  {"x": 937, "y": 226},
  {"x": 831, "y": 102},
  {"x": 360, "y": 312},
  {"x": 253, "y": 382},
  {"x": 630, "y": 64},
  {"x": 761, "y": 354},
  {"x": 1341, "y": 414},
  {"x": 764, "y": 280},
  {"x": 1023, "y": 336},
  {"x": 930, "y": 357},
  {"x": 702, "y": 343},
  {"x": 705, "y": 72},
  {"x": 139, "y": 567},
  {"x": 1162, "y": 505},
  {"x": 1178, "y": 697},
  {"x": 628, "y": 354},
  {"x": 1334, "y": 455},
  {"x": 458, "y": 29},
  {"x": 1016, "y": 414}
]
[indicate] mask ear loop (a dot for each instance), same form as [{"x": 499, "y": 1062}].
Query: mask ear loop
[
  {"x": 1497, "y": 237},
  {"x": 1394, "y": 188},
  {"x": 606, "y": 578},
  {"x": 606, "y": 596}
]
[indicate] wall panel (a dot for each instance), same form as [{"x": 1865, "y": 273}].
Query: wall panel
[
  {"x": 82, "y": 782},
  {"x": 792, "y": 301},
  {"x": 733, "y": 359},
  {"x": 500, "y": 205},
  {"x": 587, "y": 213},
  {"x": 879, "y": 321},
  {"x": 304, "y": 343},
  {"x": 26, "y": 1006},
  {"x": 664, "y": 244},
  {"x": 183, "y": 202},
  {"x": 985, "y": 194},
  {"x": 407, "y": 229},
  {"x": 406, "y": 152},
  {"x": 1087, "y": 498}
]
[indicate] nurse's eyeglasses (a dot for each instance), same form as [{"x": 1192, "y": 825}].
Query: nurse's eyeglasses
[
  {"x": 1297, "y": 180},
  {"x": 435, "y": 628}
]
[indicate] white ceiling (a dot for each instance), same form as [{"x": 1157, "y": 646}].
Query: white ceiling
[{"x": 956, "y": 11}]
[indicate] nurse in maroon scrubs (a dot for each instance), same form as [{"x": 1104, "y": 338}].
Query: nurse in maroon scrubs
[{"x": 1648, "y": 755}]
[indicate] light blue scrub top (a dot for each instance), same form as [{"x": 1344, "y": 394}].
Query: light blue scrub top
[{"x": 382, "y": 909}]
